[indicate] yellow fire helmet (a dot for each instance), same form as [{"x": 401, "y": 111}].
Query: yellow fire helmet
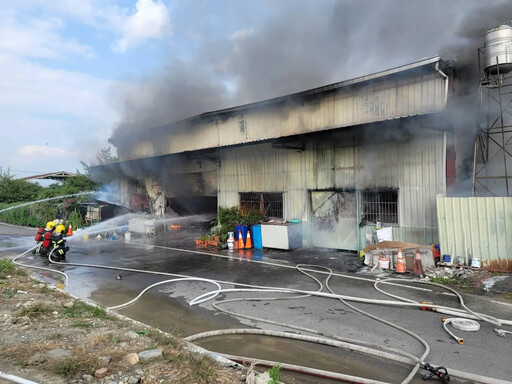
[
  {"x": 60, "y": 228},
  {"x": 50, "y": 225}
]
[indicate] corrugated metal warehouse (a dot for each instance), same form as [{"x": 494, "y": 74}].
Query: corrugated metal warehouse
[{"x": 338, "y": 158}]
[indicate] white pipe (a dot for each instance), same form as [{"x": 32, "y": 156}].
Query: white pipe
[
  {"x": 15, "y": 379},
  {"x": 446, "y": 79}
]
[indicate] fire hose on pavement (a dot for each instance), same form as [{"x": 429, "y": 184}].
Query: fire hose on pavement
[{"x": 210, "y": 295}]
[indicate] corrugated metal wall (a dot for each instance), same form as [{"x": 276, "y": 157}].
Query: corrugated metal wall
[
  {"x": 416, "y": 167},
  {"x": 480, "y": 226},
  {"x": 385, "y": 99}
]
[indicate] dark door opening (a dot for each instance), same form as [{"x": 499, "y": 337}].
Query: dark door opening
[{"x": 193, "y": 205}]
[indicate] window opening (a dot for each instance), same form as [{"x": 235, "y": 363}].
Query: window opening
[
  {"x": 380, "y": 206},
  {"x": 269, "y": 204}
]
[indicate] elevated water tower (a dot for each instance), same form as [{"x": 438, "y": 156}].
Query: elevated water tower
[{"x": 492, "y": 171}]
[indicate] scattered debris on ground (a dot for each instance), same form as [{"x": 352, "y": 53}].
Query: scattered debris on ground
[
  {"x": 48, "y": 336},
  {"x": 476, "y": 281}
]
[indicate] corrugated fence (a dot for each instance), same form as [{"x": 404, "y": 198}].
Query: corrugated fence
[{"x": 478, "y": 227}]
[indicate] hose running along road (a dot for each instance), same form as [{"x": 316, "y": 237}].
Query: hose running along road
[{"x": 369, "y": 348}]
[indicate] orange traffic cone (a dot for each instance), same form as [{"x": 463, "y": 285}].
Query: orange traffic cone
[
  {"x": 70, "y": 230},
  {"x": 248, "y": 241},
  {"x": 418, "y": 266},
  {"x": 400, "y": 263},
  {"x": 240, "y": 240}
]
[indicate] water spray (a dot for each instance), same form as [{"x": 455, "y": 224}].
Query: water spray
[{"x": 47, "y": 199}]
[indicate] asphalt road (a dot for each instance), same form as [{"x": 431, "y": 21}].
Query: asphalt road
[{"x": 483, "y": 353}]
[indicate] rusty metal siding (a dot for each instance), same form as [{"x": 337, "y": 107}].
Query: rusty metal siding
[{"x": 478, "y": 226}]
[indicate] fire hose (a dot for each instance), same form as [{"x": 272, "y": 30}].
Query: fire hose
[
  {"x": 462, "y": 324},
  {"x": 212, "y": 294}
]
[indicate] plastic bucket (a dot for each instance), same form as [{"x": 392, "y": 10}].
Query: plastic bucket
[
  {"x": 447, "y": 259},
  {"x": 475, "y": 263},
  {"x": 128, "y": 236},
  {"x": 383, "y": 263}
]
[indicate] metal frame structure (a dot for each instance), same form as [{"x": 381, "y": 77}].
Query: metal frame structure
[{"x": 493, "y": 146}]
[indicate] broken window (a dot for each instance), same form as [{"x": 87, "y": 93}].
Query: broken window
[
  {"x": 269, "y": 204},
  {"x": 380, "y": 206}
]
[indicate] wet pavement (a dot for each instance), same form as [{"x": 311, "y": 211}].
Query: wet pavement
[{"x": 166, "y": 306}]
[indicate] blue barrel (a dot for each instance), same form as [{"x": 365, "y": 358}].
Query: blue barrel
[{"x": 256, "y": 236}]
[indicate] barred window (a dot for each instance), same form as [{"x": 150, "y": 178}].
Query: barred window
[
  {"x": 380, "y": 206},
  {"x": 269, "y": 204}
]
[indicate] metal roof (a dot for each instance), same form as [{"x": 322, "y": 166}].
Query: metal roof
[
  {"x": 309, "y": 92},
  {"x": 61, "y": 175}
]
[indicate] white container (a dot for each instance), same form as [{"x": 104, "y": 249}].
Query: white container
[
  {"x": 128, "y": 236},
  {"x": 383, "y": 263},
  {"x": 475, "y": 262}
]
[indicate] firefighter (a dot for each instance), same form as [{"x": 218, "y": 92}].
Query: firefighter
[
  {"x": 46, "y": 242},
  {"x": 59, "y": 243},
  {"x": 38, "y": 239}
]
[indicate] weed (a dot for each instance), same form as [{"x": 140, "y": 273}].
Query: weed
[
  {"x": 81, "y": 309},
  {"x": 204, "y": 369},
  {"x": 9, "y": 293},
  {"x": 143, "y": 332},
  {"x": 36, "y": 310},
  {"x": 3, "y": 276},
  {"x": 56, "y": 336},
  {"x": 6, "y": 266},
  {"x": 115, "y": 339},
  {"x": 166, "y": 339},
  {"x": 446, "y": 280},
  {"x": 45, "y": 289},
  {"x": 72, "y": 366},
  {"x": 275, "y": 374},
  {"x": 82, "y": 324}
]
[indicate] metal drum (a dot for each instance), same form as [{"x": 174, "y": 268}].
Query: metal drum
[{"x": 498, "y": 50}]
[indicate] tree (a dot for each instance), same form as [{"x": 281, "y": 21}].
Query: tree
[
  {"x": 15, "y": 190},
  {"x": 105, "y": 156}
]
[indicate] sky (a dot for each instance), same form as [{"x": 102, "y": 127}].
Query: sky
[{"x": 73, "y": 72}]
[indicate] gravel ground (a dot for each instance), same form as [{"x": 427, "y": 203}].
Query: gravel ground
[{"x": 48, "y": 336}]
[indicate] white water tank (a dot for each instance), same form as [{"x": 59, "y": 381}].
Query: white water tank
[{"x": 498, "y": 50}]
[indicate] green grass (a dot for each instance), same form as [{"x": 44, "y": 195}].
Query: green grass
[
  {"x": 275, "y": 374},
  {"x": 446, "y": 280},
  {"x": 84, "y": 310},
  {"x": 7, "y": 267},
  {"x": 115, "y": 339},
  {"x": 9, "y": 293},
  {"x": 143, "y": 332}
]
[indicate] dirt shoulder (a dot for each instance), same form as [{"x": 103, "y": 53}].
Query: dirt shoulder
[{"x": 48, "y": 336}]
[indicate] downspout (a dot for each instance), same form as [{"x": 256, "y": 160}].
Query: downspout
[{"x": 445, "y": 77}]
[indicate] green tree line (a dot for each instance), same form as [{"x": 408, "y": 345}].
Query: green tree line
[{"x": 14, "y": 192}]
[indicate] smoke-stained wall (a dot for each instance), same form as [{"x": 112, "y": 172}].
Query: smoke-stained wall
[
  {"x": 390, "y": 95},
  {"x": 413, "y": 164}
]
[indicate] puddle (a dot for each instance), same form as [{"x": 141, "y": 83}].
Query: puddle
[
  {"x": 168, "y": 314},
  {"x": 490, "y": 282},
  {"x": 308, "y": 355}
]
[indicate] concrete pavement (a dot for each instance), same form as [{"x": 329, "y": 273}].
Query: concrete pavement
[{"x": 484, "y": 353}]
